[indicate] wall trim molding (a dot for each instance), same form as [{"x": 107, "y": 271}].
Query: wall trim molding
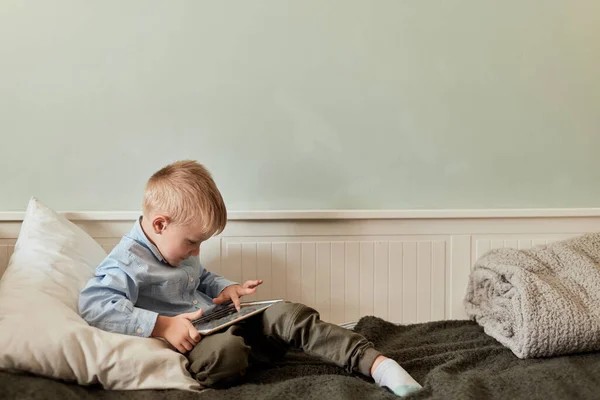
[{"x": 290, "y": 215}]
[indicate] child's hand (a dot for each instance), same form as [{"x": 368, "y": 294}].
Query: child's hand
[
  {"x": 178, "y": 330},
  {"x": 234, "y": 292}
]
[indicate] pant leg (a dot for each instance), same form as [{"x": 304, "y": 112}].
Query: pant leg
[
  {"x": 299, "y": 326},
  {"x": 219, "y": 359},
  {"x": 265, "y": 350}
]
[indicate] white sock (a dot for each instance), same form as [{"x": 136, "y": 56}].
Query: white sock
[{"x": 390, "y": 374}]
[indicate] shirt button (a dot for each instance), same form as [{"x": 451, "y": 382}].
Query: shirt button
[
  {"x": 195, "y": 302},
  {"x": 191, "y": 279},
  {"x": 139, "y": 330}
]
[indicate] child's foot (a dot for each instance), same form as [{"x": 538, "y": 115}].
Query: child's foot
[
  {"x": 387, "y": 372},
  {"x": 405, "y": 390}
]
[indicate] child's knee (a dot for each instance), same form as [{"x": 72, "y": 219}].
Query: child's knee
[
  {"x": 292, "y": 311},
  {"x": 220, "y": 365},
  {"x": 283, "y": 317}
]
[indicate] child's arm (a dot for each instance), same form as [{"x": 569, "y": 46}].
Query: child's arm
[
  {"x": 107, "y": 302},
  {"x": 211, "y": 283}
]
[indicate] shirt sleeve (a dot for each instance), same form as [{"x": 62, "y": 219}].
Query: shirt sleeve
[
  {"x": 108, "y": 301},
  {"x": 212, "y": 284}
]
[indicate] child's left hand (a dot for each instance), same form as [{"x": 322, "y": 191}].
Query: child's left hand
[{"x": 234, "y": 292}]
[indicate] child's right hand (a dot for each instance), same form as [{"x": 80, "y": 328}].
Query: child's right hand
[{"x": 178, "y": 330}]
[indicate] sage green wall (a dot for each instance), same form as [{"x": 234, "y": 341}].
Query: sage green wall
[{"x": 313, "y": 104}]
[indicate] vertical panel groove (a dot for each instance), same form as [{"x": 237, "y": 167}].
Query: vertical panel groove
[
  {"x": 303, "y": 289},
  {"x": 389, "y": 280},
  {"x": 431, "y": 268},
  {"x": 359, "y": 280},
  {"x": 330, "y": 280},
  {"x": 345, "y": 283},
  {"x": 374, "y": 272},
  {"x": 271, "y": 269},
  {"x": 417, "y": 286}
]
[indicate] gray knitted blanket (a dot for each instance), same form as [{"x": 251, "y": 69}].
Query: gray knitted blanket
[{"x": 540, "y": 302}]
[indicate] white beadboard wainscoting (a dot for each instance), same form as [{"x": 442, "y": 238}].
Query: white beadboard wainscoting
[{"x": 403, "y": 266}]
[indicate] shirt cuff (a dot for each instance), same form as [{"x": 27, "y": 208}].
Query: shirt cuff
[
  {"x": 224, "y": 283},
  {"x": 143, "y": 322}
]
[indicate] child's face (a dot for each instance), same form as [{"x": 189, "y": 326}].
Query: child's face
[{"x": 176, "y": 242}]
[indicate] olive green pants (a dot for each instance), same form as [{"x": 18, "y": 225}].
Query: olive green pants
[{"x": 221, "y": 358}]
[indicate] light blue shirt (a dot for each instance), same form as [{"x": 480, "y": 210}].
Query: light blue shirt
[{"x": 134, "y": 284}]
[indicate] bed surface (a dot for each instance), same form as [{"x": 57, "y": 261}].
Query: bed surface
[{"x": 452, "y": 359}]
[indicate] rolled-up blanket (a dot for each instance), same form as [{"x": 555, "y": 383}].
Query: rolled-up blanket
[{"x": 540, "y": 302}]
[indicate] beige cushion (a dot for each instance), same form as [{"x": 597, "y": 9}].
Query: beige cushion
[{"x": 41, "y": 331}]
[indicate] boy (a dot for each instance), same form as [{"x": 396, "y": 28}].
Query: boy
[{"x": 152, "y": 285}]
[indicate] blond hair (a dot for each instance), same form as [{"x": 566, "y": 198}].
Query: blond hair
[{"x": 185, "y": 192}]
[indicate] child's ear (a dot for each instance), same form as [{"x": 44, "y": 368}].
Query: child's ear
[{"x": 159, "y": 224}]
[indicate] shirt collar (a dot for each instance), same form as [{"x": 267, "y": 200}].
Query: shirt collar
[{"x": 137, "y": 234}]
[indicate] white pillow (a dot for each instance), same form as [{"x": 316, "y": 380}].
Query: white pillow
[{"x": 40, "y": 328}]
